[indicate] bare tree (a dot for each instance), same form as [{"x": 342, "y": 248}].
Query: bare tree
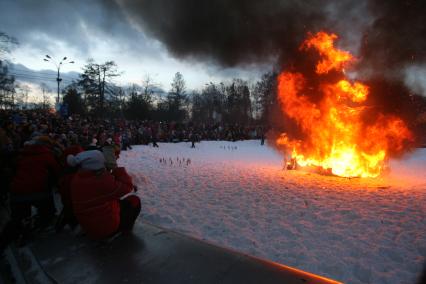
[
  {"x": 148, "y": 88},
  {"x": 45, "y": 91},
  {"x": 94, "y": 81},
  {"x": 177, "y": 98},
  {"x": 7, "y": 82},
  {"x": 25, "y": 89},
  {"x": 7, "y": 87}
]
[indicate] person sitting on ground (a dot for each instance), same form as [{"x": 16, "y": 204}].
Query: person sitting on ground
[{"x": 101, "y": 199}]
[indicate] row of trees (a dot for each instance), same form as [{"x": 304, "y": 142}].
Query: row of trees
[
  {"x": 237, "y": 101},
  {"x": 95, "y": 93},
  {"x": 12, "y": 93}
]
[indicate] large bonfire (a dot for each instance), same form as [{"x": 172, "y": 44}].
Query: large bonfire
[{"x": 333, "y": 132}]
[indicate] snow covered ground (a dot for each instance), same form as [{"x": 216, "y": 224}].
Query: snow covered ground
[{"x": 237, "y": 195}]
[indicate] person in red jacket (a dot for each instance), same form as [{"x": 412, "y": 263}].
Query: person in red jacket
[
  {"x": 37, "y": 171},
  {"x": 102, "y": 201},
  {"x": 67, "y": 216}
]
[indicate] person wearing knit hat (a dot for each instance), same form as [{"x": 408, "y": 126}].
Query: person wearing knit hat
[
  {"x": 88, "y": 160},
  {"x": 100, "y": 199}
]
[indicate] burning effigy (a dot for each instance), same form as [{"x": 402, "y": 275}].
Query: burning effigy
[{"x": 338, "y": 132}]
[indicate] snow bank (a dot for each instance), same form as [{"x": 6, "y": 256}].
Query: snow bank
[{"x": 237, "y": 195}]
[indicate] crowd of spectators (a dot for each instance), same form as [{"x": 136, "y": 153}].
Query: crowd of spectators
[
  {"x": 42, "y": 152},
  {"x": 20, "y": 126}
]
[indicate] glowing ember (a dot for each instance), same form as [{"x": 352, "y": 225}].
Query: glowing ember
[{"x": 335, "y": 137}]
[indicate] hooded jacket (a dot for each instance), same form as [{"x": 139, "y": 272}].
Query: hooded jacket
[
  {"x": 95, "y": 198},
  {"x": 36, "y": 170}
]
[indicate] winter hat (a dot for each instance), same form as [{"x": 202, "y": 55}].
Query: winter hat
[{"x": 88, "y": 160}]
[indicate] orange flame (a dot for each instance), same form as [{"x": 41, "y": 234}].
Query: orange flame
[
  {"x": 335, "y": 137},
  {"x": 332, "y": 58}
]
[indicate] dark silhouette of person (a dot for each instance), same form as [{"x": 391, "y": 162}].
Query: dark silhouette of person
[{"x": 193, "y": 138}]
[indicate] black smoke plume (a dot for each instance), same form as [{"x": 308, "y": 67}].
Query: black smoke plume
[
  {"x": 396, "y": 38},
  {"x": 231, "y": 32},
  {"x": 228, "y": 32},
  {"x": 386, "y": 36}
]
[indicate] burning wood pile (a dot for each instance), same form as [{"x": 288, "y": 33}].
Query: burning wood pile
[{"x": 337, "y": 131}]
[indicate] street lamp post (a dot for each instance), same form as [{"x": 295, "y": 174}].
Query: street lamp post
[{"x": 58, "y": 67}]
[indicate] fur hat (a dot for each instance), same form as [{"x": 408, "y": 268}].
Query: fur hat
[{"x": 88, "y": 160}]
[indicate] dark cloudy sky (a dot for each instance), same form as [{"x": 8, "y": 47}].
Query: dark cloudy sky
[
  {"x": 100, "y": 30},
  {"x": 217, "y": 39}
]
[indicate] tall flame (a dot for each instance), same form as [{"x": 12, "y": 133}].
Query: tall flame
[{"x": 336, "y": 138}]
